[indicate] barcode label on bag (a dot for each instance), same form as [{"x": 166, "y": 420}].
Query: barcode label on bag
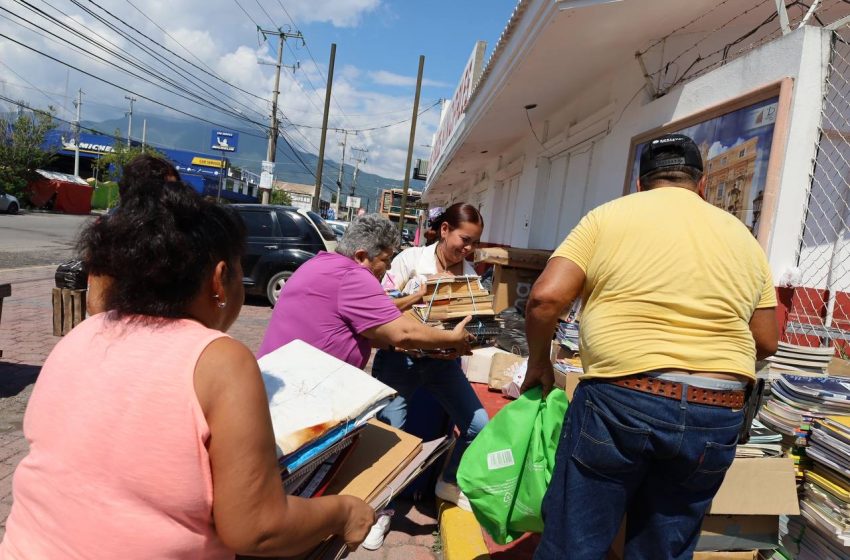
[{"x": 500, "y": 459}]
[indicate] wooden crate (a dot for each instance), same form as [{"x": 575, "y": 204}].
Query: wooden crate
[{"x": 69, "y": 309}]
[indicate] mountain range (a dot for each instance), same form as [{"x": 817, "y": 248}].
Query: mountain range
[{"x": 194, "y": 136}]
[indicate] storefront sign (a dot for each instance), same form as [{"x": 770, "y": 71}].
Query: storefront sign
[
  {"x": 208, "y": 162},
  {"x": 224, "y": 141},
  {"x": 457, "y": 106}
]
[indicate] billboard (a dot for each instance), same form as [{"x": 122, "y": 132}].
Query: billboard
[{"x": 224, "y": 141}]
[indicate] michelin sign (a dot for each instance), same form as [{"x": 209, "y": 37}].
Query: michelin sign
[{"x": 224, "y": 141}]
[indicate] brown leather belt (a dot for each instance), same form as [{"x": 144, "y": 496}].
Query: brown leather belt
[{"x": 673, "y": 390}]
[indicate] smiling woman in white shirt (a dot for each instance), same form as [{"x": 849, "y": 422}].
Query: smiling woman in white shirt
[{"x": 460, "y": 229}]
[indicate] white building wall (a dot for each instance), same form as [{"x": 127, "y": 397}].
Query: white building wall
[{"x": 587, "y": 148}]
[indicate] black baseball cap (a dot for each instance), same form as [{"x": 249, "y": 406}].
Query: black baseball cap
[{"x": 668, "y": 151}]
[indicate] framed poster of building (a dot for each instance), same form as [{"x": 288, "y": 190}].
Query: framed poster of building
[{"x": 741, "y": 143}]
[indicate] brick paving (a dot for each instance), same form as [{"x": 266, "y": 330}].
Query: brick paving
[{"x": 26, "y": 338}]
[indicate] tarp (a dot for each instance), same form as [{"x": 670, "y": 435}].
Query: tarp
[{"x": 62, "y": 196}]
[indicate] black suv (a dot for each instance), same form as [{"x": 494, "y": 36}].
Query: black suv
[{"x": 279, "y": 240}]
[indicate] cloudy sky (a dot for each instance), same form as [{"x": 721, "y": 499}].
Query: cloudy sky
[{"x": 213, "y": 60}]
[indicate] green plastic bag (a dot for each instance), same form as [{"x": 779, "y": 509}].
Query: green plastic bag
[{"x": 506, "y": 470}]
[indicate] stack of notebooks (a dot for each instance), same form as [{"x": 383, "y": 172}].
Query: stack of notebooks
[
  {"x": 796, "y": 360},
  {"x": 798, "y": 399},
  {"x": 823, "y": 530},
  {"x": 318, "y": 406},
  {"x": 449, "y": 300},
  {"x": 764, "y": 442},
  {"x": 567, "y": 335}
]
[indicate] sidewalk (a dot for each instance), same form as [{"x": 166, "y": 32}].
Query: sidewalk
[{"x": 26, "y": 339}]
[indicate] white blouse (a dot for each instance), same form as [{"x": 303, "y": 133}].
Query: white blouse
[{"x": 413, "y": 266}]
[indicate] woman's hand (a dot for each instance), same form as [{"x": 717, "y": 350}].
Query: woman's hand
[
  {"x": 359, "y": 520},
  {"x": 464, "y": 339}
]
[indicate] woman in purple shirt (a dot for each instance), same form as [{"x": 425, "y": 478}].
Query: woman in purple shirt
[{"x": 335, "y": 302}]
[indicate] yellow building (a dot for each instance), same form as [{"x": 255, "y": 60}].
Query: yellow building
[{"x": 729, "y": 178}]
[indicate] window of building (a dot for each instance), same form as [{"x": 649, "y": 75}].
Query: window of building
[
  {"x": 723, "y": 161},
  {"x": 742, "y": 153},
  {"x": 258, "y": 224},
  {"x": 721, "y": 190}
]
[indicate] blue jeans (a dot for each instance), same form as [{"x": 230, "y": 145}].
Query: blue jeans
[
  {"x": 658, "y": 460},
  {"x": 442, "y": 378}
]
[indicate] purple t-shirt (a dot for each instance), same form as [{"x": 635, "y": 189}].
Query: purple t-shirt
[{"x": 328, "y": 303}]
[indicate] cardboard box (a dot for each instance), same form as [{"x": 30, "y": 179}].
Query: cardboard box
[
  {"x": 727, "y": 555},
  {"x": 502, "y": 370},
  {"x": 745, "y": 512},
  {"x": 512, "y": 286},
  {"x": 533, "y": 259},
  {"x": 477, "y": 366}
]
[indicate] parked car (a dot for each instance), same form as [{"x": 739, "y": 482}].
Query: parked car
[
  {"x": 279, "y": 240},
  {"x": 338, "y": 227},
  {"x": 8, "y": 203}
]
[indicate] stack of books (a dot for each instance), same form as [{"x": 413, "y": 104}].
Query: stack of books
[
  {"x": 449, "y": 300},
  {"x": 567, "y": 335},
  {"x": 823, "y": 530},
  {"x": 318, "y": 406},
  {"x": 796, "y": 360},
  {"x": 454, "y": 297}
]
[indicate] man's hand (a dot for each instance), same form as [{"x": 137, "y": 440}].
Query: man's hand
[{"x": 539, "y": 374}]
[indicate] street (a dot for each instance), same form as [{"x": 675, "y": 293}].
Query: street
[{"x": 32, "y": 239}]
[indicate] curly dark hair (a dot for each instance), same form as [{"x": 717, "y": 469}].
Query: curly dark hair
[
  {"x": 159, "y": 246},
  {"x": 145, "y": 169}
]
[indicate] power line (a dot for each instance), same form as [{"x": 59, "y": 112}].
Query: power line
[{"x": 192, "y": 96}]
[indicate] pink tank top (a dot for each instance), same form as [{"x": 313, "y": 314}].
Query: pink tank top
[{"x": 118, "y": 464}]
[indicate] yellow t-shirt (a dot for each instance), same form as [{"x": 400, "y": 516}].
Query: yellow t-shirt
[{"x": 672, "y": 282}]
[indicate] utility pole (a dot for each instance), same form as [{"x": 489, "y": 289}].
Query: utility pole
[
  {"x": 341, "y": 168},
  {"x": 78, "y": 103},
  {"x": 273, "y": 127},
  {"x": 130, "y": 119},
  {"x": 357, "y": 162},
  {"x": 144, "y": 133},
  {"x": 320, "y": 165},
  {"x": 410, "y": 143}
]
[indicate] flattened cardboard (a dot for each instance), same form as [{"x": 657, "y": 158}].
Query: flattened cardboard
[
  {"x": 728, "y": 555},
  {"x": 381, "y": 453},
  {"x": 758, "y": 486}
]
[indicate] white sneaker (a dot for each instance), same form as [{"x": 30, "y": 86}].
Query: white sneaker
[
  {"x": 376, "y": 535},
  {"x": 452, "y": 493}
]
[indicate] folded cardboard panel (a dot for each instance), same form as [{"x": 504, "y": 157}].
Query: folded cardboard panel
[
  {"x": 727, "y": 555},
  {"x": 758, "y": 486},
  {"x": 509, "y": 256},
  {"x": 381, "y": 453}
]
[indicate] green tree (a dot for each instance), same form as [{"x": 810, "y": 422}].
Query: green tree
[
  {"x": 281, "y": 197},
  {"x": 21, "y": 148},
  {"x": 113, "y": 162}
]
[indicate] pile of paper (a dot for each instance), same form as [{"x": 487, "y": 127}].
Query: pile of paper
[
  {"x": 317, "y": 404},
  {"x": 796, "y": 360},
  {"x": 823, "y": 532},
  {"x": 567, "y": 335},
  {"x": 764, "y": 442},
  {"x": 798, "y": 399}
]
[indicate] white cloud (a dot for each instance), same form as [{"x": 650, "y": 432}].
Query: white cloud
[
  {"x": 224, "y": 39},
  {"x": 385, "y": 78}
]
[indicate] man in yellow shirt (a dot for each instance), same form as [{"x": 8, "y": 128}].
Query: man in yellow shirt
[{"x": 678, "y": 304}]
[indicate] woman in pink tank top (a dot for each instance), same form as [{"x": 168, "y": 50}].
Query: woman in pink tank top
[{"x": 148, "y": 427}]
